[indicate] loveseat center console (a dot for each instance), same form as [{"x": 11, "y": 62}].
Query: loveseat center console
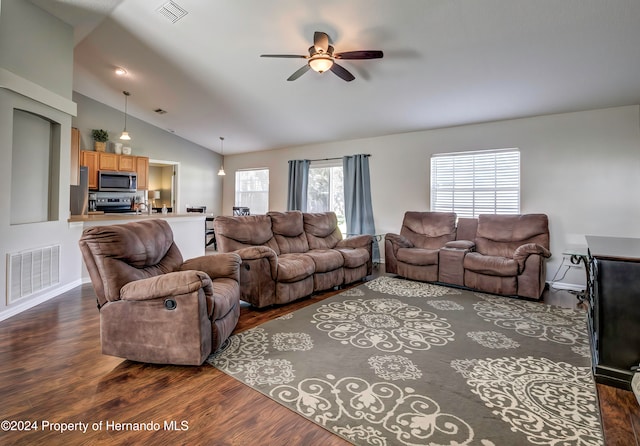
[{"x": 614, "y": 313}]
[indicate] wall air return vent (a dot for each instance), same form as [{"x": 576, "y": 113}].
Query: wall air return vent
[
  {"x": 172, "y": 11},
  {"x": 29, "y": 272}
]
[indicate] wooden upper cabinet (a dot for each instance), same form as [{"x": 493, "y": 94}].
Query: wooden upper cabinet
[
  {"x": 127, "y": 163},
  {"x": 97, "y": 161},
  {"x": 142, "y": 169},
  {"x": 107, "y": 161},
  {"x": 75, "y": 157},
  {"x": 90, "y": 159}
]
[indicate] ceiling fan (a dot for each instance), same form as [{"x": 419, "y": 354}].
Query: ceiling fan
[{"x": 322, "y": 58}]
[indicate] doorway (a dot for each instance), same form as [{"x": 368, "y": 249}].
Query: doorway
[{"x": 163, "y": 184}]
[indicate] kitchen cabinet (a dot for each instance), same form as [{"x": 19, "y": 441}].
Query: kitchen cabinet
[
  {"x": 127, "y": 163},
  {"x": 107, "y": 161},
  {"x": 75, "y": 157},
  {"x": 90, "y": 159},
  {"x": 97, "y": 161},
  {"x": 142, "y": 169}
]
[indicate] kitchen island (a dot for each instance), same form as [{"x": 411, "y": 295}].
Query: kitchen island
[{"x": 188, "y": 229}]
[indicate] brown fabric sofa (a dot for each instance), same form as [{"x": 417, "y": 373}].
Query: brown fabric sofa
[
  {"x": 290, "y": 255},
  {"x": 153, "y": 306},
  {"x": 500, "y": 254}
]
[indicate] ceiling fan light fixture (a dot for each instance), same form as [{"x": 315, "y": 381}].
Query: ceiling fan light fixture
[{"x": 321, "y": 63}]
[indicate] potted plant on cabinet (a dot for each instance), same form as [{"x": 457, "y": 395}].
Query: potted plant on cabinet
[{"x": 100, "y": 138}]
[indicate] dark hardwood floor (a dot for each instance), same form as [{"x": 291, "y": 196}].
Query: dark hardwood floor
[{"x": 52, "y": 371}]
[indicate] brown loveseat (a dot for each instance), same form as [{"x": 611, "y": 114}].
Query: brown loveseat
[
  {"x": 153, "y": 306},
  {"x": 500, "y": 254},
  {"x": 290, "y": 255}
]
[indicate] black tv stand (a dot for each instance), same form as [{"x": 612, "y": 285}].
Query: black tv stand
[{"x": 614, "y": 314}]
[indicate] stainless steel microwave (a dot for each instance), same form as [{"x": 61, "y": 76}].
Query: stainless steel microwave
[{"x": 110, "y": 181}]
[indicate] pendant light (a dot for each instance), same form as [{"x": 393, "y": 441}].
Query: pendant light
[
  {"x": 221, "y": 171},
  {"x": 125, "y": 135}
]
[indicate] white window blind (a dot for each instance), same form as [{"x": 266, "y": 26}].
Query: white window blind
[
  {"x": 252, "y": 190},
  {"x": 473, "y": 183}
]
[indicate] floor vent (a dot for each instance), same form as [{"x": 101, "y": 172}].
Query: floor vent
[
  {"x": 30, "y": 272},
  {"x": 172, "y": 11}
]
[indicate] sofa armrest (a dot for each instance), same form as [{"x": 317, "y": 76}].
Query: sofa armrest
[
  {"x": 521, "y": 253},
  {"x": 166, "y": 285},
  {"x": 398, "y": 241},
  {"x": 220, "y": 265},
  {"x": 356, "y": 241},
  {"x": 463, "y": 245},
  {"x": 261, "y": 252}
]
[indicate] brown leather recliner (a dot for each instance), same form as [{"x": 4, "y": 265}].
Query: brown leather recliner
[
  {"x": 153, "y": 306},
  {"x": 509, "y": 255},
  {"x": 414, "y": 253}
]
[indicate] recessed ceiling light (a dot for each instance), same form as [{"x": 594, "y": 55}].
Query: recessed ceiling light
[{"x": 120, "y": 71}]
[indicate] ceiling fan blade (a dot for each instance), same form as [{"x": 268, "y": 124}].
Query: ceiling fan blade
[
  {"x": 342, "y": 73},
  {"x": 294, "y": 56},
  {"x": 321, "y": 41},
  {"x": 299, "y": 73},
  {"x": 364, "y": 54}
]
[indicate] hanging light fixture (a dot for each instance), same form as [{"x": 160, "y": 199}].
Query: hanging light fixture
[
  {"x": 125, "y": 135},
  {"x": 221, "y": 171}
]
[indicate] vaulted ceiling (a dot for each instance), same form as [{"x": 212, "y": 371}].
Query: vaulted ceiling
[{"x": 446, "y": 63}]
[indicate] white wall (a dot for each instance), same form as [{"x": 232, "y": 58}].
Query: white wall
[
  {"x": 581, "y": 169},
  {"x": 36, "y": 54}
]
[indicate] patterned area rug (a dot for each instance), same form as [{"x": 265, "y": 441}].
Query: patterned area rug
[{"x": 397, "y": 362}]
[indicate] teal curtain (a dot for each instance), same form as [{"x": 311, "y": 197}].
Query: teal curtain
[
  {"x": 298, "y": 183},
  {"x": 357, "y": 199}
]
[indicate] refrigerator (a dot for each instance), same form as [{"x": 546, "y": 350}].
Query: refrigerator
[{"x": 79, "y": 199}]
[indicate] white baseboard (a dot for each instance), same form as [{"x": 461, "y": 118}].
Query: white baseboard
[
  {"x": 23, "y": 306},
  {"x": 566, "y": 286}
]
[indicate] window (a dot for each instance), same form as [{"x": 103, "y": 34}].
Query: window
[
  {"x": 252, "y": 190},
  {"x": 473, "y": 183},
  {"x": 325, "y": 190}
]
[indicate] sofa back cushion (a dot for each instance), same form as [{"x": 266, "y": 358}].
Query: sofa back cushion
[
  {"x": 466, "y": 228},
  {"x": 236, "y": 232},
  {"x": 288, "y": 230},
  {"x": 429, "y": 230},
  {"x": 118, "y": 254},
  {"x": 322, "y": 230},
  {"x": 501, "y": 235}
]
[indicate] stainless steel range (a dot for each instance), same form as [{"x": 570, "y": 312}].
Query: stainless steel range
[{"x": 114, "y": 204}]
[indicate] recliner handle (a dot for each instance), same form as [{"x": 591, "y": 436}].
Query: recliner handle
[{"x": 170, "y": 304}]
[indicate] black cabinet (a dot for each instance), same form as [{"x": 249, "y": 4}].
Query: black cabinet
[{"x": 614, "y": 313}]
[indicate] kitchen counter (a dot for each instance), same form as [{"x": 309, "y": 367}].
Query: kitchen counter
[
  {"x": 131, "y": 217},
  {"x": 188, "y": 228}
]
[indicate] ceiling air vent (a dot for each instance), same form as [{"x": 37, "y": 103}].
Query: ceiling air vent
[{"x": 172, "y": 11}]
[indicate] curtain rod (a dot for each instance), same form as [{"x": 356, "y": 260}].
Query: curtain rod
[{"x": 337, "y": 158}]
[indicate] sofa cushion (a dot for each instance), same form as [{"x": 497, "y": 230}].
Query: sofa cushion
[
  {"x": 322, "y": 230},
  {"x": 501, "y": 235},
  {"x": 326, "y": 259},
  {"x": 355, "y": 257},
  {"x": 430, "y": 230},
  {"x": 288, "y": 230},
  {"x": 294, "y": 267},
  {"x": 418, "y": 256},
  {"x": 490, "y": 265},
  {"x": 236, "y": 232}
]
